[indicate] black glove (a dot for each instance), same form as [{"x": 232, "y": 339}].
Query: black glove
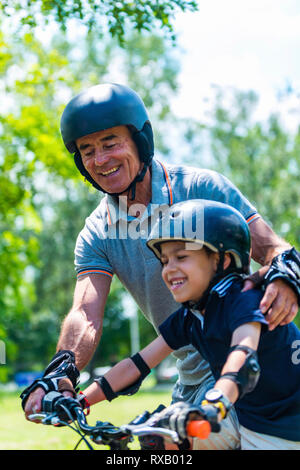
[
  {"x": 286, "y": 266},
  {"x": 62, "y": 366},
  {"x": 176, "y": 417}
]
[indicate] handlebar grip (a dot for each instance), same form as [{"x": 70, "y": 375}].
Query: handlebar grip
[
  {"x": 198, "y": 428},
  {"x": 49, "y": 401}
]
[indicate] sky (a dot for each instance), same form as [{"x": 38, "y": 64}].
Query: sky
[{"x": 248, "y": 44}]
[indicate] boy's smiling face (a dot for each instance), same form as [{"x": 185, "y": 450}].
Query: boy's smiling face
[{"x": 187, "y": 273}]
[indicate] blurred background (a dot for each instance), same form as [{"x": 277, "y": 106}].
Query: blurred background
[{"x": 221, "y": 81}]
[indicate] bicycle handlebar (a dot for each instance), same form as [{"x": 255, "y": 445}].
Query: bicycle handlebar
[{"x": 60, "y": 410}]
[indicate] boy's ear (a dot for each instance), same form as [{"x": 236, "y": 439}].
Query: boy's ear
[{"x": 227, "y": 260}]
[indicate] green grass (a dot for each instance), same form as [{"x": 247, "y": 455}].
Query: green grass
[{"x": 16, "y": 433}]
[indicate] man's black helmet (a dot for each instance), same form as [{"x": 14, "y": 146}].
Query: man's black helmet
[
  {"x": 218, "y": 226},
  {"x": 102, "y": 107}
]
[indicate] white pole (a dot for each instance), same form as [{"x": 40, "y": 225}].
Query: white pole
[{"x": 130, "y": 311}]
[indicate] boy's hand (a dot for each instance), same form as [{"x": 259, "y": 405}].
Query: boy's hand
[{"x": 177, "y": 416}]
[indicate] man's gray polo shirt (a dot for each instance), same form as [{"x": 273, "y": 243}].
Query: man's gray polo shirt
[{"x": 113, "y": 242}]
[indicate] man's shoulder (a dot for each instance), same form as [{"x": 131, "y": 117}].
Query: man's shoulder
[
  {"x": 206, "y": 178},
  {"x": 190, "y": 176},
  {"x": 174, "y": 169}
]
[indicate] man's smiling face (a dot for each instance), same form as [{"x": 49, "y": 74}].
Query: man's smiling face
[{"x": 111, "y": 158}]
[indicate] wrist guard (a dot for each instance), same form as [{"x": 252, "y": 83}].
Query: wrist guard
[
  {"x": 286, "y": 266},
  {"x": 62, "y": 366},
  {"x": 222, "y": 404},
  {"x": 131, "y": 389},
  {"x": 83, "y": 401}
]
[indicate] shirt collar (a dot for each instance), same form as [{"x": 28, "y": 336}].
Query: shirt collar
[
  {"x": 223, "y": 286},
  {"x": 162, "y": 193}
]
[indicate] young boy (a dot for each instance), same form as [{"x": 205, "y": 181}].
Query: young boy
[{"x": 204, "y": 248}]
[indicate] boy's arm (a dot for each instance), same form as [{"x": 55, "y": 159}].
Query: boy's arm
[
  {"x": 240, "y": 372},
  {"x": 245, "y": 335},
  {"x": 126, "y": 373}
]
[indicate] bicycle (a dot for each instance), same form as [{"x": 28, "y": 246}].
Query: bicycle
[{"x": 58, "y": 410}]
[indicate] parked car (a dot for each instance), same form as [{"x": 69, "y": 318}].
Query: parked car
[{"x": 166, "y": 371}]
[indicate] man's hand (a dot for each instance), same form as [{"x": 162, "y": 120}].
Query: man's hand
[
  {"x": 275, "y": 255},
  {"x": 279, "y": 301},
  {"x": 34, "y": 402},
  {"x": 61, "y": 375}
]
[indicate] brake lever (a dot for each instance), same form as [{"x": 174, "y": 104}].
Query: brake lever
[
  {"x": 143, "y": 429},
  {"x": 37, "y": 416},
  {"x": 45, "y": 418}
]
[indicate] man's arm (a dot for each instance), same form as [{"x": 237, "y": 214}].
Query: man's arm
[
  {"x": 265, "y": 243},
  {"x": 81, "y": 329},
  {"x": 280, "y": 301}
]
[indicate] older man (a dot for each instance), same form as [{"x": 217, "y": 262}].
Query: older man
[{"x": 108, "y": 130}]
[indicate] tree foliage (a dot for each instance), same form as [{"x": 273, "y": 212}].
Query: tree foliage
[
  {"x": 38, "y": 177},
  {"x": 30, "y": 143},
  {"x": 261, "y": 158},
  {"x": 116, "y": 16},
  {"x": 43, "y": 201}
]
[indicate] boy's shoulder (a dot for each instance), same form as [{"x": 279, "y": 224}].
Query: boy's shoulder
[
  {"x": 254, "y": 294},
  {"x": 243, "y": 307},
  {"x": 249, "y": 299}
]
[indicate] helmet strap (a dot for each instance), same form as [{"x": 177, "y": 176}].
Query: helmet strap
[{"x": 137, "y": 179}]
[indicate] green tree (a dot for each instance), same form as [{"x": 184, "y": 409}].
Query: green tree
[
  {"x": 46, "y": 207},
  {"x": 261, "y": 158},
  {"x": 103, "y": 15}
]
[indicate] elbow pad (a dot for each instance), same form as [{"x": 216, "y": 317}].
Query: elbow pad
[
  {"x": 247, "y": 377},
  {"x": 131, "y": 389}
]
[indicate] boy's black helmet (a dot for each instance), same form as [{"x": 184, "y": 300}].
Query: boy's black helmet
[
  {"x": 218, "y": 226},
  {"x": 102, "y": 107}
]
